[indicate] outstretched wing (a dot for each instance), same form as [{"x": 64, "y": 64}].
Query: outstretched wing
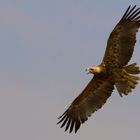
[
  {"x": 122, "y": 39},
  {"x": 90, "y": 100}
]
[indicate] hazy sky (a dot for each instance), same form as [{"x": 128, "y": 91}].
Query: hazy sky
[{"x": 45, "y": 46}]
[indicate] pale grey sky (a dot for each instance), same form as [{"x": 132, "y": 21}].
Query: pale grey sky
[{"x": 45, "y": 46}]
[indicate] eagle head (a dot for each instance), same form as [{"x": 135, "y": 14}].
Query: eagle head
[
  {"x": 93, "y": 70},
  {"x": 96, "y": 70}
]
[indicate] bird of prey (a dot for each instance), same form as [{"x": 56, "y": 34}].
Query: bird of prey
[{"x": 113, "y": 71}]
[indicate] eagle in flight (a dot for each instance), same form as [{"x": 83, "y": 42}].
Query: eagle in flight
[{"x": 113, "y": 71}]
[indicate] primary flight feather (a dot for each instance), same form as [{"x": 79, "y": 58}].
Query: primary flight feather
[{"x": 113, "y": 71}]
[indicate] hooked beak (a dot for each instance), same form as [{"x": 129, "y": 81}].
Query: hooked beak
[{"x": 88, "y": 70}]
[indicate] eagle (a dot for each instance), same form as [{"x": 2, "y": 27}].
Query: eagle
[{"x": 113, "y": 71}]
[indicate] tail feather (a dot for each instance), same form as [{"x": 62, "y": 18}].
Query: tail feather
[
  {"x": 132, "y": 69},
  {"x": 126, "y": 80}
]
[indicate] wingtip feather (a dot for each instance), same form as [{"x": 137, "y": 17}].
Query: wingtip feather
[{"x": 132, "y": 13}]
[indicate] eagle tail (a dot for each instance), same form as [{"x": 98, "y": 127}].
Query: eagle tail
[
  {"x": 127, "y": 80},
  {"x": 132, "y": 69}
]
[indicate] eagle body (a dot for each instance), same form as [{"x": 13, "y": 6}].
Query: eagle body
[{"x": 113, "y": 71}]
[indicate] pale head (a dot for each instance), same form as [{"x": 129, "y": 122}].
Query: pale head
[{"x": 94, "y": 70}]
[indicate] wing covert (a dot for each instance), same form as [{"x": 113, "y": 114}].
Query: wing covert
[
  {"x": 122, "y": 39},
  {"x": 90, "y": 100}
]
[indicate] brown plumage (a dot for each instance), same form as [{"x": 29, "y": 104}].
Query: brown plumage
[
  {"x": 111, "y": 72},
  {"x": 122, "y": 39}
]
